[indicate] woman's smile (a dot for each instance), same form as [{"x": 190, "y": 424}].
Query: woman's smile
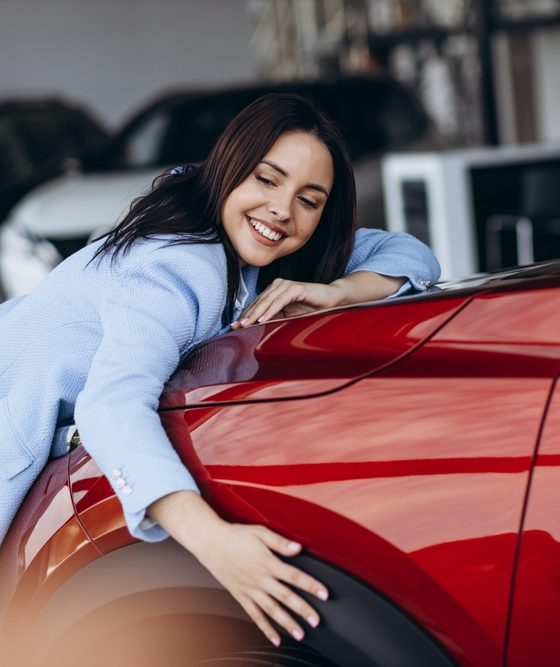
[{"x": 266, "y": 233}]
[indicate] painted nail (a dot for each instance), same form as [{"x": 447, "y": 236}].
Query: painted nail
[
  {"x": 244, "y": 321},
  {"x": 294, "y": 546},
  {"x": 313, "y": 621},
  {"x": 297, "y": 634},
  {"x": 322, "y": 595},
  {"x": 275, "y": 641},
  {"x": 262, "y": 318}
]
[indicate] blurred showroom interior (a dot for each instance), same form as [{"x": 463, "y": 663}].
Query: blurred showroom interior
[{"x": 453, "y": 112}]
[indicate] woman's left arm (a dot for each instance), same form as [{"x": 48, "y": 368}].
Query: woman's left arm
[
  {"x": 382, "y": 264},
  {"x": 394, "y": 255}
]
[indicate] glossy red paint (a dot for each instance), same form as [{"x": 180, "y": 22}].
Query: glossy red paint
[
  {"x": 97, "y": 507},
  {"x": 420, "y": 486},
  {"x": 534, "y": 637},
  {"x": 454, "y": 518},
  {"x": 395, "y": 441},
  {"x": 329, "y": 348},
  {"x": 521, "y": 318}
]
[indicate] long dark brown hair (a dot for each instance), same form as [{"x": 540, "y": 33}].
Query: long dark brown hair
[{"x": 189, "y": 205}]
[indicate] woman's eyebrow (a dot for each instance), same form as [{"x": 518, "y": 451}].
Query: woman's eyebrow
[{"x": 312, "y": 186}]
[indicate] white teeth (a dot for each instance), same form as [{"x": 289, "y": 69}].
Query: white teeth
[{"x": 264, "y": 230}]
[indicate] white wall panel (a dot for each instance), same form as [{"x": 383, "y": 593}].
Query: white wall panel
[
  {"x": 113, "y": 54},
  {"x": 547, "y": 83}
]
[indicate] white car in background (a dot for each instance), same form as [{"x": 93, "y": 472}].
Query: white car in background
[
  {"x": 375, "y": 114},
  {"x": 60, "y": 217}
]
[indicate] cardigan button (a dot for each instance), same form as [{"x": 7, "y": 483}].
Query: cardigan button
[
  {"x": 116, "y": 472},
  {"x": 126, "y": 490}
]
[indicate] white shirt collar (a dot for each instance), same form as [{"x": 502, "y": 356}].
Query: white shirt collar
[{"x": 242, "y": 293}]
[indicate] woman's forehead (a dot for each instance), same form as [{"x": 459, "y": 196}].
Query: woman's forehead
[{"x": 303, "y": 155}]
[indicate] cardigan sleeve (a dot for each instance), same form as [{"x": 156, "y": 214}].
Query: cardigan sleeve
[
  {"x": 152, "y": 315},
  {"x": 395, "y": 254}
]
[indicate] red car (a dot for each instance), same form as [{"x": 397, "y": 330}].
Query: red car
[{"x": 412, "y": 446}]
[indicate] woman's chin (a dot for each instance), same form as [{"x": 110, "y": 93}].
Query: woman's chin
[{"x": 258, "y": 259}]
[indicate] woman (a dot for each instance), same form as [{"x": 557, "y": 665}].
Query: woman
[{"x": 270, "y": 212}]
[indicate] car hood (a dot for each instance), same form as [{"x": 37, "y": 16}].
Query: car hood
[
  {"x": 307, "y": 355},
  {"x": 76, "y": 205},
  {"x": 322, "y": 352},
  {"x": 533, "y": 275}
]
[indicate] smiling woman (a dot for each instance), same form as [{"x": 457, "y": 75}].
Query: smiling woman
[{"x": 264, "y": 227}]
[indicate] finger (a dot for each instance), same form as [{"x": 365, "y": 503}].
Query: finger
[
  {"x": 276, "y": 285},
  {"x": 299, "y": 579},
  {"x": 279, "y": 615},
  {"x": 271, "y": 296},
  {"x": 293, "y": 602},
  {"x": 266, "y": 300},
  {"x": 260, "y": 620},
  {"x": 286, "y": 572},
  {"x": 278, "y": 543},
  {"x": 270, "y": 310}
]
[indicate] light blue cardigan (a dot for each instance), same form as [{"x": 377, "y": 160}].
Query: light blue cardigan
[{"x": 99, "y": 342}]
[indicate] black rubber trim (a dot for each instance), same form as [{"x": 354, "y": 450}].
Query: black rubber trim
[{"x": 360, "y": 628}]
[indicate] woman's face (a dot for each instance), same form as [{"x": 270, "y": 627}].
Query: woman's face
[{"x": 276, "y": 209}]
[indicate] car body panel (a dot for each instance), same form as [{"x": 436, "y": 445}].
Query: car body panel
[
  {"x": 533, "y": 636},
  {"x": 496, "y": 375},
  {"x": 308, "y": 355},
  {"x": 403, "y": 457},
  {"x": 45, "y": 545}
]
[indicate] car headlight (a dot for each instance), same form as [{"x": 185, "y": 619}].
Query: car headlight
[{"x": 24, "y": 259}]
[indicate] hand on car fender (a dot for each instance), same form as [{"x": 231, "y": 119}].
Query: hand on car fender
[{"x": 242, "y": 558}]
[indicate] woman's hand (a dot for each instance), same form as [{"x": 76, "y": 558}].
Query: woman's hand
[
  {"x": 242, "y": 558},
  {"x": 287, "y": 298}
]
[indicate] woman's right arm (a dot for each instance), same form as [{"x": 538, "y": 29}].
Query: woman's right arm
[{"x": 147, "y": 320}]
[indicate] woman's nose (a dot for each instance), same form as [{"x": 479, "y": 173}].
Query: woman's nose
[{"x": 279, "y": 208}]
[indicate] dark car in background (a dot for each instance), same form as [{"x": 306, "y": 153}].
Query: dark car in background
[
  {"x": 376, "y": 114},
  {"x": 37, "y": 136}
]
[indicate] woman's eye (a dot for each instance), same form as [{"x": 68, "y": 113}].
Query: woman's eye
[
  {"x": 264, "y": 180},
  {"x": 309, "y": 203}
]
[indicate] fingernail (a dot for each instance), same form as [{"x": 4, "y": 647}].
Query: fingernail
[
  {"x": 313, "y": 621},
  {"x": 323, "y": 595},
  {"x": 244, "y": 321},
  {"x": 294, "y": 546},
  {"x": 297, "y": 634},
  {"x": 275, "y": 641}
]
